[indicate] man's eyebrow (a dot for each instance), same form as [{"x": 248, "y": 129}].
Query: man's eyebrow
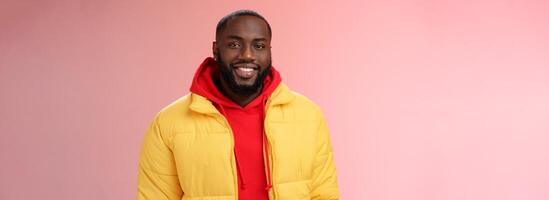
[{"x": 236, "y": 37}]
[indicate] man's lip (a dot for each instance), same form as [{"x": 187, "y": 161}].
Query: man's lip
[{"x": 246, "y": 65}]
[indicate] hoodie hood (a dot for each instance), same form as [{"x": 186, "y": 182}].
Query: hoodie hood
[{"x": 204, "y": 85}]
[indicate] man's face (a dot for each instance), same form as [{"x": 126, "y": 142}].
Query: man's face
[{"x": 243, "y": 54}]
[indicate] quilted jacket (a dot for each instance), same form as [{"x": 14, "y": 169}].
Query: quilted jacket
[{"x": 187, "y": 152}]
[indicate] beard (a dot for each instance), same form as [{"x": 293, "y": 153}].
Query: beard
[{"x": 242, "y": 90}]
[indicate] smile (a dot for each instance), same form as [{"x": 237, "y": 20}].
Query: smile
[{"x": 245, "y": 72}]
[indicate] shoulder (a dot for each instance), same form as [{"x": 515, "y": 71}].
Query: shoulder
[
  {"x": 175, "y": 111},
  {"x": 301, "y": 106},
  {"x": 304, "y": 102},
  {"x": 308, "y": 106}
]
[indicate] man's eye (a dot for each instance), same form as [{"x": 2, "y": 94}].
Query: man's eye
[
  {"x": 233, "y": 45},
  {"x": 259, "y": 46}
]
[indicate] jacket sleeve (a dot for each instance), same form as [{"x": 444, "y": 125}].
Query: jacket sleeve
[
  {"x": 157, "y": 177},
  {"x": 324, "y": 182}
]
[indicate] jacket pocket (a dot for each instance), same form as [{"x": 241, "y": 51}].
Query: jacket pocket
[{"x": 299, "y": 190}]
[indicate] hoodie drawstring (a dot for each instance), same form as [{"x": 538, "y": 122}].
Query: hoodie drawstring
[{"x": 242, "y": 185}]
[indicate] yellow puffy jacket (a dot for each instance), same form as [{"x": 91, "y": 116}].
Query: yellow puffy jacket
[{"x": 187, "y": 152}]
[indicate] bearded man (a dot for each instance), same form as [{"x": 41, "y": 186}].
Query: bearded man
[{"x": 240, "y": 133}]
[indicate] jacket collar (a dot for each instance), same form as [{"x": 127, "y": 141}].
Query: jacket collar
[{"x": 280, "y": 96}]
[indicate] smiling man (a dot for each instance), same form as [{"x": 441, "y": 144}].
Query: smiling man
[{"x": 240, "y": 133}]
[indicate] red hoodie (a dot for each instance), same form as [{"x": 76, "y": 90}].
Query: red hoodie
[{"x": 247, "y": 127}]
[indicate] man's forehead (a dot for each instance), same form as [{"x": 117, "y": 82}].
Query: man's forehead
[{"x": 246, "y": 26}]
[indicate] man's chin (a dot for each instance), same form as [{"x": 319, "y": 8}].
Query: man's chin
[{"x": 244, "y": 84}]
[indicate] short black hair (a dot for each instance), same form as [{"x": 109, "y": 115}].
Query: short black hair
[{"x": 221, "y": 24}]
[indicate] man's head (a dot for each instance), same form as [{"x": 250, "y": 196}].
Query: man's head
[{"x": 243, "y": 51}]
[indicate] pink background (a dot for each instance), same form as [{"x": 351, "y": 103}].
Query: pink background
[{"x": 426, "y": 100}]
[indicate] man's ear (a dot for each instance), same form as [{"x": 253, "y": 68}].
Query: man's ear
[{"x": 214, "y": 50}]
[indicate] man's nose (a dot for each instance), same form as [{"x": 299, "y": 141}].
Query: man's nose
[{"x": 247, "y": 53}]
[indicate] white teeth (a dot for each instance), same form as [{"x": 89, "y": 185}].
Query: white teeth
[{"x": 245, "y": 69}]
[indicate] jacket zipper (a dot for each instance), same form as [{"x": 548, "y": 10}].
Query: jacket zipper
[{"x": 270, "y": 153}]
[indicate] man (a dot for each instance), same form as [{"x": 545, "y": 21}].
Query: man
[{"x": 240, "y": 133}]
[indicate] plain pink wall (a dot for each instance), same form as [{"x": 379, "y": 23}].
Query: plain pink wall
[{"x": 426, "y": 100}]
